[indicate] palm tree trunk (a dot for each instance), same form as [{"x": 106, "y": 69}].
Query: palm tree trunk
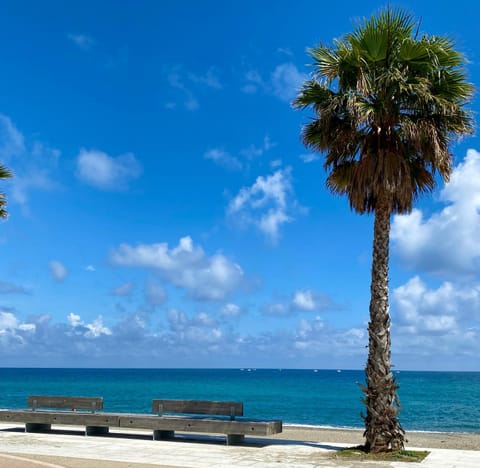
[{"x": 382, "y": 429}]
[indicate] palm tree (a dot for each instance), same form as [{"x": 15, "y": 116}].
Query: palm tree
[
  {"x": 387, "y": 104},
  {"x": 4, "y": 174}
]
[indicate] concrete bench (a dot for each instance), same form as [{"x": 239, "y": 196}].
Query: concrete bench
[
  {"x": 214, "y": 417},
  {"x": 47, "y": 410}
]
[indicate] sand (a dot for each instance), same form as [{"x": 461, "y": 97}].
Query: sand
[{"x": 445, "y": 440}]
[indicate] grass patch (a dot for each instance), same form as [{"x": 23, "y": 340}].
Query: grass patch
[{"x": 359, "y": 453}]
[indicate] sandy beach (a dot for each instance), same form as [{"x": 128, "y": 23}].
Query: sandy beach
[
  {"x": 444, "y": 440},
  {"x": 297, "y": 447}
]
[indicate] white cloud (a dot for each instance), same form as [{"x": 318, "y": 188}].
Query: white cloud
[
  {"x": 249, "y": 153},
  {"x": 125, "y": 289},
  {"x": 209, "y": 79},
  {"x": 447, "y": 242},
  {"x": 33, "y": 165},
  {"x": 200, "y": 329},
  {"x": 418, "y": 309},
  {"x": 90, "y": 268},
  {"x": 231, "y": 310},
  {"x": 74, "y": 319},
  {"x": 88, "y": 330},
  {"x": 302, "y": 300},
  {"x": 267, "y": 204},
  {"x": 58, "y": 270},
  {"x": 286, "y": 81},
  {"x": 186, "y": 266},
  {"x": 436, "y": 326},
  {"x": 22, "y": 184},
  {"x": 285, "y": 50},
  {"x": 12, "y": 142},
  {"x": 13, "y": 333},
  {"x": 278, "y": 309},
  {"x": 254, "y": 82},
  {"x": 183, "y": 339},
  {"x": 183, "y": 80},
  {"x": 309, "y": 157},
  {"x": 82, "y": 41},
  {"x": 96, "y": 329},
  {"x": 7, "y": 320},
  {"x": 253, "y": 151},
  {"x": 223, "y": 158},
  {"x": 106, "y": 172}
]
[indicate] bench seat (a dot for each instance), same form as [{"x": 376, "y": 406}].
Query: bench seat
[
  {"x": 235, "y": 430},
  {"x": 42, "y": 420}
]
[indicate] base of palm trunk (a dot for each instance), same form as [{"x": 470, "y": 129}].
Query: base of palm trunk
[{"x": 383, "y": 432}]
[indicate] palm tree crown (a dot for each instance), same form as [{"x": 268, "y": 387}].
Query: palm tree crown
[{"x": 387, "y": 105}]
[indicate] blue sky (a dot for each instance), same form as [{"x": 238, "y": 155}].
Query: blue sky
[{"x": 165, "y": 213}]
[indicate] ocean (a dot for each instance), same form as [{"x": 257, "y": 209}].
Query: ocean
[{"x": 431, "y": 401}]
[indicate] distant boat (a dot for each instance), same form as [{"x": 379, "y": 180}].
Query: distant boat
[
  {"x": 338, "y": 370},
  {"x": 315, "y": 370}
]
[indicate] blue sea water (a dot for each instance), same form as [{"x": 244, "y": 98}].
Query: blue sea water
[{"x": 431, "y": 401}]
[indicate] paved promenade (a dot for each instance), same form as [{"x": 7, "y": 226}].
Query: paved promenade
[{"x": 135, "y": 450}]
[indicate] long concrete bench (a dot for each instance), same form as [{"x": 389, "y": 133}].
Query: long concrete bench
[
  {"x": 214, "y": 417},
  {"x": 200, "y": 416},
  {"x": 47, "y": 410}
]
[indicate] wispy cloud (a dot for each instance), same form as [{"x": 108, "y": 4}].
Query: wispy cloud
[
  {"x": 34, "y": 164},
  {"x": 245, "y": 155},
  {"x": 223, "y": 158},
  {"x": 286, "y": 81},
  {"x": 10, "y": 288},
  {"x": 283, "y": 83},
  {"x": 105, "y": 172},
  {"x": 12, "y": 141},
  {"x": 309, "y": 157},
  {"x": 58, "y": 270},
  {"x": 82, "y": 41},
  {"x": 123, "y": 290},
  {"x": 155, "y": 295},
  {"x": 302, "y": 300},
  {"x": 189, "y": 84},
  {"x": 230, "y": 310}
]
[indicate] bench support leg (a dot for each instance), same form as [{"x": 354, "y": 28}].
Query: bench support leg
[
  {"x": 96, "y": 430},
  {"x": 37, "y": 427},
  {"x": 159, "y": 435},
  {"x": 235, "y": 439}
]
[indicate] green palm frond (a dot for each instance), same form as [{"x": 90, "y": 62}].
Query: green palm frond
[
  {"x": 4, "y": 174},
  {"x": 387, "y": 103}
]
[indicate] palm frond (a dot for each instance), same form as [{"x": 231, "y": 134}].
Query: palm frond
[{"x": 387, "y": 103}]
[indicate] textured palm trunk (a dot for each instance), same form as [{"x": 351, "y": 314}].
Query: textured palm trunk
[{"x": 382, "y": 428}]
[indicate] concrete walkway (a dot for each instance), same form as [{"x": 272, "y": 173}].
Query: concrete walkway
[{"x": 135, "y": 450}]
